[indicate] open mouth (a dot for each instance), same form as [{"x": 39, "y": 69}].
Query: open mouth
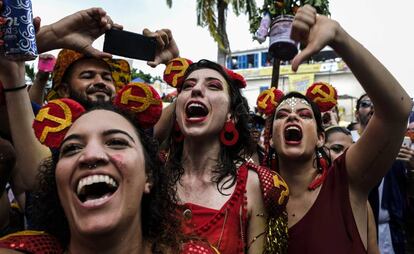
[
  {"x": 196, "y": 110},
  {"x": 293, "y": 134},
  {"x": 95, "y": 187}
]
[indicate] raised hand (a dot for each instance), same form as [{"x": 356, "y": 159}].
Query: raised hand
[
  {"x": 406, "y": 154},
  {"x": 77, "y": 32},
  {"x": 314, "y": 31},
  {"x": 166, "y": 47}
]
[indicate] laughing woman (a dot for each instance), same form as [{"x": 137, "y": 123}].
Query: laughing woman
[
  {"x": 105, "y": 192},
  {"x": 327, "y": 207},
  {"x": 221, "y": 196}
]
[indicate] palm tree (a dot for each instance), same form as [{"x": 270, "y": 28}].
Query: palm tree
[{"x": 213, "y": 14}]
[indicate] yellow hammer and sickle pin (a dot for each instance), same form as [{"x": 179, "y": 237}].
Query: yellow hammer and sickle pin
[
  {"x": 325, "y": 97},
  {"x": 182, "y": 68},
  {"x": 279, "y": 183},
  {"x": 269, "y": 95},
  {"x": 146, "y": 101},
  {"x": 63, "y": 122}
]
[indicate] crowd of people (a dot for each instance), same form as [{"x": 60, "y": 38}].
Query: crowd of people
[{"x": 83, "y": 170}]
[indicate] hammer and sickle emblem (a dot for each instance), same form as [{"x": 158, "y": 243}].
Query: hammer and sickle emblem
[
  {"x": 63, "y": 122},
  {"x": 182, "y": 68},
  {"x": 324, "y": 96},
  {"x": 269, "y": 95},
  {"x": 146, "y": 101},
  {"x": 278, "y": 184}
]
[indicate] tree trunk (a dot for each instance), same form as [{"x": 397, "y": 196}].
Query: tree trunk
[{"x": 221, "y": 53}]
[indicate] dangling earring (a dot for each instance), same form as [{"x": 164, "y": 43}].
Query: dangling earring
[
  {"x": 322, "y": 166},
  {"x": 229, "y": 130},
  {"x": 177, "y": 134}
]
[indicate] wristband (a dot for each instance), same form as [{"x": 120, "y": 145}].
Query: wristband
[{"x": 14, "y": 88}]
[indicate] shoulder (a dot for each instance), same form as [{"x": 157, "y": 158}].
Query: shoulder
[{"x": 271, "y": 186}]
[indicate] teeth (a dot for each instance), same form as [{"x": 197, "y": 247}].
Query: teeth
[
  {"x": 292, "y": 128},
  {"x": 195, "y": 104},
  {"x": 89, "y": 180}
]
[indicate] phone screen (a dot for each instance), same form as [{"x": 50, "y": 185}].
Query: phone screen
[{"x": 131, "y": 45}]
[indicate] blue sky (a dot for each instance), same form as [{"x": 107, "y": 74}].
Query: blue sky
[{"x": 384, "y": 27}]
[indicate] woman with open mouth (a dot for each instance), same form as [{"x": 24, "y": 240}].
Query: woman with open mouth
[
  {"x": 221, "y": 195},
  {"x": 105, "y": 191},
  {"x": 327, "y": 207}
]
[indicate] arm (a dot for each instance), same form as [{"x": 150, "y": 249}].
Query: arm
[
  {"x": 369, "y": 159},
  {"x": 37, "y": 90},
  {"x": 257, "y": 215},
  {"x": 29, "y": 152},
  {"x": 77, "y": 32}
]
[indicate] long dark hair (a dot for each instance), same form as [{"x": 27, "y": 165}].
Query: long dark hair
[
  {"x": 229, "y": 158},
  {"x": 272, "y": 155},
  {"x": 159, "y": 223}
]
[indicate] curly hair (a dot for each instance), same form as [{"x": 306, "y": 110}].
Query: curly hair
[
  {"x": 159, "y": 223},
  {"x": 229, "y": 158}
]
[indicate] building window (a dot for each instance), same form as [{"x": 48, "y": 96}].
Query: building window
[{"x": 266, "y": 59}]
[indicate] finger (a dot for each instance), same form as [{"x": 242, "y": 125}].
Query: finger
[
  {"x": 117, "y": 26},
  {"x": 164, "y": 37},
  {"x": 36, "y": 23},
  {"x": 402, "y": 159},
  {"x": 153, "y": 64},
  {"x": 303, "y": 56},
  {"x": 91, "y": 51},
  {"x": 147, "y": 32}
]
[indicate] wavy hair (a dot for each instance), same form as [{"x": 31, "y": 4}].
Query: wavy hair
[
  {"x": 229, "y": 158},
  {"x": 159, "y": 223}
]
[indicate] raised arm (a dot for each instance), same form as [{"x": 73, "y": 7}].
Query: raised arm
[
  {"x": 369, "y": 159},
  {"x": 77, "y": 31}
]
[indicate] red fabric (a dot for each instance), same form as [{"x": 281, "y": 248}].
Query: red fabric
[
  {"x": 329, "y": 225},
  {"x": 32, "y": 242},
  {"x": 268, "y": 100},
  {"x": 323, "y": 94},
  {"x": 141, "y": 99},
  {"x": 210, "y": 224},
  {"x": 54, "y": 119}
]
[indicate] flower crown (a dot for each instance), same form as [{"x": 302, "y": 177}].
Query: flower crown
[
  {"x": 177, "y": 67},
  {"x": 55, "y": 118}
]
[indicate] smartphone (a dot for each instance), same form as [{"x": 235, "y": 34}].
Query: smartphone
[
  {"x": 128, "y": 44},
  {"x": 406, "y": 142}
]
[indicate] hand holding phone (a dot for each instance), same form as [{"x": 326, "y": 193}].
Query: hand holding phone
[{"x": 128, "y": 44}]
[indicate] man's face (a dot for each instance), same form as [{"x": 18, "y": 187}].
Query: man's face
[
  {"x": 365, "y": 111},
  {"x": 90, "y": 80}
]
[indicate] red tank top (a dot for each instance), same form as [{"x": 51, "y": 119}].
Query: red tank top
[
  {"x": 225, "y": 229},
  {"x": 329, "y": 225}
]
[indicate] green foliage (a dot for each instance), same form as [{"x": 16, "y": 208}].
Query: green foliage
[
  {"x": 285, "y": 7},
  {"x": 148, "y": 78},
  {"x": 212, "y": 14},
  {"x": 30, "y": 71}
]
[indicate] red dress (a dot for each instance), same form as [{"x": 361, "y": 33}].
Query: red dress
[
  {"x": 329, "y": 225},
  {"x": 226, "y": 229},
  {"x": 38, "y": 242}
]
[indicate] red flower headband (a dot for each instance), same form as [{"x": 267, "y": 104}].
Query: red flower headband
[
  {"x": 176, "y": 68},
  {"x": 55, "y": 118}
]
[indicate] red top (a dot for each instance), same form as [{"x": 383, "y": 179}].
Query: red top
[
  {"x": 329, "y": 225},
  {"x": 225, "y": 229}
]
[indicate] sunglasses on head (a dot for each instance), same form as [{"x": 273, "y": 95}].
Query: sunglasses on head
[{"x": 366, "y": 104}]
